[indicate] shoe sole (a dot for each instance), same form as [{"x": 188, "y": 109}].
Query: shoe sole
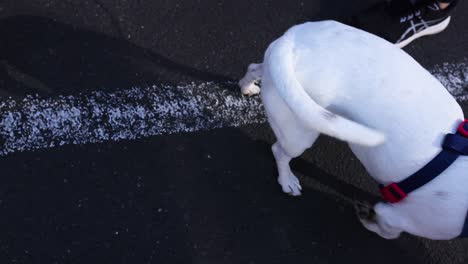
[{"x": 428, "y": 31}]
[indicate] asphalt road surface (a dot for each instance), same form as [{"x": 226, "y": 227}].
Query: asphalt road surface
[{"x": 125, "y": 139}]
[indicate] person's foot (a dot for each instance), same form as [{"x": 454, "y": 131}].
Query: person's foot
[
  {"x": 428, "y": 20},
  {"x": 420, "y": 21}
]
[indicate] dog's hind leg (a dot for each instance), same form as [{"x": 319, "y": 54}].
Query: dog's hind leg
[
  {"x": 248, "y": 83},
  {"x": 288, "y": 181},
  {"x": 378, "y": 219}
]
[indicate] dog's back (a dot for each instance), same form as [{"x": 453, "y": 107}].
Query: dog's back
[
  {"x": 329, "y": 78},
  {"x": 370, "y": 81}
]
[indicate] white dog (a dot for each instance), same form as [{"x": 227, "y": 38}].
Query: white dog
[{"x": 326, "y": 77}]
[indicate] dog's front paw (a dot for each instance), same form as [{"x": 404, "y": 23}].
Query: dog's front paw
[
  {"x": 365, "y": 211},
  {"x": 290, "y": 185},
  {"x": 249, "y": 89}
]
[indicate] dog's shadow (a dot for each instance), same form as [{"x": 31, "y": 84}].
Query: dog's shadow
[
  {"x": 310, "y": 173},
  {"x": 332, "y": 194}
]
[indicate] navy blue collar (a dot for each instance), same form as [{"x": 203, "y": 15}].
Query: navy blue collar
[{"x": 454, "y": 145}]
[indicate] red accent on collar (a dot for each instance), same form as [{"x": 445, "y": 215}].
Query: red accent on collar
[
  {"x": 393, "y": 193},
  {"x": 462, "y": 128}
]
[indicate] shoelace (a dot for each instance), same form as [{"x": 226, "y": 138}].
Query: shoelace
[
  {"x": 417, "y": 13},
  {"x": 410, "y": 16}
]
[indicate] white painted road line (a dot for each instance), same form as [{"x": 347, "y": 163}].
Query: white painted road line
[
  {"x": 36, "y": 123},
  {"x": 454, "y": 76}
]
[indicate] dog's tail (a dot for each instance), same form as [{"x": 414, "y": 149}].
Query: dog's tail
[{"x": 281, "y": 68}]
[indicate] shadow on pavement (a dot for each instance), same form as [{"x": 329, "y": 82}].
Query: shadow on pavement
[
  {"x": 40, "y": 55},
  {"x": 208, "y": 198}
]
